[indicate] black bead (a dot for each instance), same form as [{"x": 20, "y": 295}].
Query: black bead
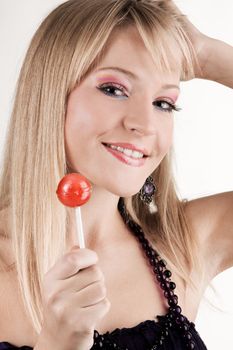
[
  {"x": 140, "y": 239},
  {"x": 176, "y": 309},
  {"x": 162, "y": 263},
  {"x": 152, "y": 261},
  {"x": 157, "y": 269},
  {"x": 180, "y": 319},
  {"x": 172, "y": 301},
  {"x": 170, "y": 315},
  {"x": 159, "y": 278},
  {"x": 96, "y": 334},
  {"x": 148, "y": 253},
  {"x": 160, "y": 341},
  {"x": 168, "y": 324},
  {"x": 184, "y": 327},
  {"x": 191, "y": 345},
  {"x": 172, "y": 285},
  {"x": 168, "y": 293},
  {"x": 188, "y": 335},
  {"x": 155, "y": 347},
  {"x": 167, "y": 273},
  {"x": 154, "y": 253},
  {"x": 163, "y": 285}
]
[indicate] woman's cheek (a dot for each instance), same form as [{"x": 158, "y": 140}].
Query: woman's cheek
[{"x": 167, "y": 139}]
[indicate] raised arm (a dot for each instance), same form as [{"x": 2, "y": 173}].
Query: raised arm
[
  {"x": 216, "y": 60},
  {"x": 212, "y": 221},
  {"x": 215, "y": 57},
  {"x": 212, "y": 216}
]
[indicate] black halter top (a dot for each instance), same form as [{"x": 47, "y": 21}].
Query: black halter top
[{"x": 172, "y": 331}]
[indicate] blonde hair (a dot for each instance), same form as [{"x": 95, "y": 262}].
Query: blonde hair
[{"x": 67, "y": 46}]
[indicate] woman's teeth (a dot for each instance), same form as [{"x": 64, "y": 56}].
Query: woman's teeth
[{"x": 127, "y": 152}]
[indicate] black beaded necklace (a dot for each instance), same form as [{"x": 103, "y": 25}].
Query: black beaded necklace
[{"x": 174, "y": 317}]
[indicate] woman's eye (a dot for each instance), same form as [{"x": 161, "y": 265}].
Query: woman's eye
[
  {"x": 115, "y": 90},
  {"x": 166, "y": 106},
  {"x": 112, "y": 89}
]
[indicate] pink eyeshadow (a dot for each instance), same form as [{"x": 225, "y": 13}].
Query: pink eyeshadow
[
  {"x": 111, "y": 79},
  {"x": 173, "y": 97}
]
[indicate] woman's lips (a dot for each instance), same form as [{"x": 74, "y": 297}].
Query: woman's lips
[
  {"x": 136, "y": 162},
  {"x": 129, "y": 146}
]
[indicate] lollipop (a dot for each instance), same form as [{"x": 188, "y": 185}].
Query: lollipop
[{"x": 73, "y": 191}]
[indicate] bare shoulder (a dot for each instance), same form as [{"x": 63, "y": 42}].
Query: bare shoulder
[
  {"x": 14, "y": 326},
  {"x": 212, "y": 221}
]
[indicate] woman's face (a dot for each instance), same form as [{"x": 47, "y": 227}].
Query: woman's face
[{"x": 127, "y": 110}]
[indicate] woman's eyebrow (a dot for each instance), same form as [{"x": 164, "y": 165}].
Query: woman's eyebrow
[
  {"x": 134, "y": 76},
  {"x": 121, "y": 70}
]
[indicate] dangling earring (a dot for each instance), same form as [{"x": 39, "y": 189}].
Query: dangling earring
[{"x": 146, "y": 194}]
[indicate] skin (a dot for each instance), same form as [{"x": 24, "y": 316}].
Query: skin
[{"x": 129, "y": 117}]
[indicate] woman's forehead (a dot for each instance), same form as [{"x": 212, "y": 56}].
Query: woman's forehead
[{"x": 126, "y": 51}]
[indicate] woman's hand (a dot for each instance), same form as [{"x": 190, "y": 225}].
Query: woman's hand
[
  {"x": 199, "y": 42},
  {"x": 200, "y": 45},
  {"x": 214, "y": 57},
  {"x": 74, "y": 300}
]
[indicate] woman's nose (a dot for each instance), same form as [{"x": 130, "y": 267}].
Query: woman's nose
[{"x": 140, "y": 117}]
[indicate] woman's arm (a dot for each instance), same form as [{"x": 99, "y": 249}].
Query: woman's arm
[
  {"x": 215, "y": 57},
  {"x": 216, "y": 61},
  {"x": 212, "y": 221},
  {"x": 212, "y": 217}
]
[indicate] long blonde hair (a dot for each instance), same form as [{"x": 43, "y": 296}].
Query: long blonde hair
[{"x": 68, "y": 44}]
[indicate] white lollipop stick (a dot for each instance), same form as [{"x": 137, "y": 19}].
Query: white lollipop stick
[{"x": 79, "y": 225}]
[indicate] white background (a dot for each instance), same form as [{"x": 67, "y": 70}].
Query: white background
[{"x": 203, "y": 130}]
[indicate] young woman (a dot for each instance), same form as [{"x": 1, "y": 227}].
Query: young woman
[{"x": 95, "y": 96}]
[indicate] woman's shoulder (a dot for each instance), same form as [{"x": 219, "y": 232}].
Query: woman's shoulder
[{"x": 14, "y": 325}]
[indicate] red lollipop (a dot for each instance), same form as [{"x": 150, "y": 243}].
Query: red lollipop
[{"x": 73, "y": 191}]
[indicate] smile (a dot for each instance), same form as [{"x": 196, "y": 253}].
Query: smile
[
  {"x": 126, "y": 155},
  {"x": 129, "y": 152}
]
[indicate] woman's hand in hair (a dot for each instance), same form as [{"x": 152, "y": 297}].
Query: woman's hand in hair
[
  {"x": 198, "y": 40},
  {"x": 214, "y": 57},
  {"x": 74, "y": 301}
]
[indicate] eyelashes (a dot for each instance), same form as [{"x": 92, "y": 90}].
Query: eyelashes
[
  {"x": 116, "y": 90},
  {"x": 166, "y": 106}
]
